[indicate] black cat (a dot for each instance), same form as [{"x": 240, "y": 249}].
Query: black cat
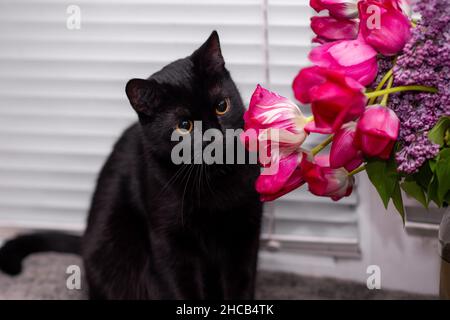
[{"x": 157, "y": 230}]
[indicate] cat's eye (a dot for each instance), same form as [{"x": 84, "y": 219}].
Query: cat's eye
[
  {"x": 184, "y": 126},
  {"x": 223, "y": 106}
]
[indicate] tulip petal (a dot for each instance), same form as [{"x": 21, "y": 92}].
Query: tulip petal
[
  {"x": 273, "y": 182},
  {"x": 343, "y": 152},
  {"x": 329, "y": 182},
  {"x": 287, "y": 178},
  {"x": 376, "y": 131},
  {"x": 270, "y": 110},
  {"x": 354, "y": 58},
  {"x": 337, "y": 8},
  {"x": 274, "y": 126},
  {"x": 293, "y": 183},
  {"x": 351, "y": 52},
  {"x": 334, "y": 98},
  {"x": 334, "y": 104},
  {"x": 334, "y": 29},
  {"x": 306, "y": 79},
  {"x": 389, "y": 33}
]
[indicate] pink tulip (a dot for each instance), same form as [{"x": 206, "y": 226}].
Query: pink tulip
[
  {"x": 307, "y": 79},
  {"x": 337, "y": 8},
  {"x": 268, "y": 110},
  {"x": 328, "y": 182},
  {"x": 354, "y": 58},
  {"x": 343, "y": 153},
  {"x": 377, "y": 131},
  {"x": 330, "y": 29},
  {"x": 335, "y": 98},
  {"x": 288, "y": 178},
  {"x": 276, "y": 121},
  {"x": 385, "y": 28}
]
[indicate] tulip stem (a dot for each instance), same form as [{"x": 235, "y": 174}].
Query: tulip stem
[
  {"x": 386, "y": 77},
  {"x": 400, "y": 89},
  {"x": 357, "y": 170},
  {"x": 386, "y": 96},
  {"x": 321, "y": 145}
]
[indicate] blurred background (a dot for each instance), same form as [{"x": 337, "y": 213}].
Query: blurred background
[{"x": 63, "y": 69}]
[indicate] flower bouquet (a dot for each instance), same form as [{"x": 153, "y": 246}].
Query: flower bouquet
[{"x": 380, "y": 96}]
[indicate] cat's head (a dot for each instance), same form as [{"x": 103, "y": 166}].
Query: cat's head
[{"x": 196, "y": 88}]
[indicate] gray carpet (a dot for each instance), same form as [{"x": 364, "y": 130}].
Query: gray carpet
[{"x": 44, "y": 277}]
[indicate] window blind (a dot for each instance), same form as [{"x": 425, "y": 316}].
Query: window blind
[
  {"x": 302, "y": 221},
  {"x": 419, "y": 220},
  {"x": 62, "y": 100}
]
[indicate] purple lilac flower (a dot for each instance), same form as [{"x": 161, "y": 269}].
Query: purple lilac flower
[{"x": 425, "y": 61}]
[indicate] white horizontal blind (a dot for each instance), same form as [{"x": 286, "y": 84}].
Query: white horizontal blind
[
  {"x": 62, "y": 100},
  {"x": 420, "y": 220},
  {"x": 302, "y": 221}
]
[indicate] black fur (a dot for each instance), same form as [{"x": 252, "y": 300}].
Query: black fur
[
  {"x": 14, "y": 251},
  {"x": 157, "y": 230}
]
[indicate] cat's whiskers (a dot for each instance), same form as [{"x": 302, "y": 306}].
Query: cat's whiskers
[
  {"x": 201, "y": 180},
  {"x": 172, "y": 180},
  {"x": 188, "y": 175},
  {"x": 208, "y": 181},
  {"x": 194, "y": 188},
  {"x": 191, "y": 168},
  {"x": 199, "y": 183},
  {"x": 176, "y": 176}
]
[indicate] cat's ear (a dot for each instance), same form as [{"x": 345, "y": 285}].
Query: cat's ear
[
  {"x": 209, "y": 56},
  {"x": 143, "y": 94}
]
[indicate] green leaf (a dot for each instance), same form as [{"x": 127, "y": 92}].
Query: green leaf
[
  {"x": 414, "y": 190},
  {"x": 398, "y": 201},
  {"x": 384, "y": 176},
  {"x": 432, "y": 165},
  {"x": 438, "y": 133},
  {"x": 433, "y": 191},
  {"x": 442, "y": 172},
  {"x": 424, "y": 175},
  {"x": 444, "y": 154}
]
